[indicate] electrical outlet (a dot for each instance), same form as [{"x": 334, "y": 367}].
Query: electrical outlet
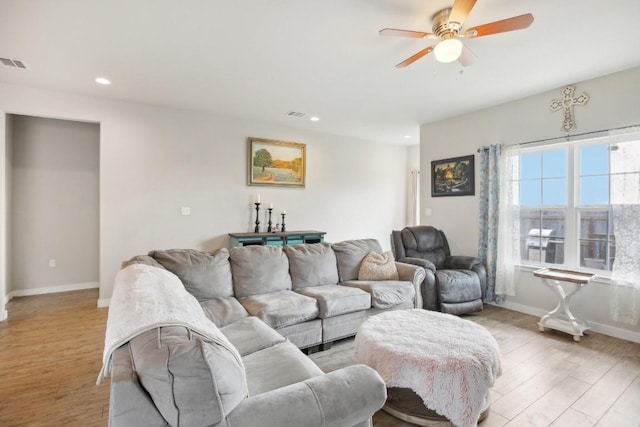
[
  {"x": 427, "y": 211},
  {"x": 52, "y": 263},
  {"x": 185, "y": 210}
]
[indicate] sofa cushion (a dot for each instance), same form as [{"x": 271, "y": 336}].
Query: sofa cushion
[
  {"x": 385, "y": 293},
  {"x": 303, "y": 335},
  {"x": 335, "y": 299},
  {"x": 277, "y": 366},
  {"x": 458, "y": 286},
  {"x": 250, "y": 335},
  {"x": 223, "y": 310},
  {"x": 377, "y": 266},
  {"x": 281, "y": 308},
  {"x": 349, "y": 255},
  {"x": 204, "y": 274},
  {"x": 259, "y": 270},
  {"x": 191, "y": 381},
  {"x": 312, "y": 264}
]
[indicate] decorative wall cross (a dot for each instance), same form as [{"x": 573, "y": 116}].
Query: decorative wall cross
[{"x": 566, "y": 104}]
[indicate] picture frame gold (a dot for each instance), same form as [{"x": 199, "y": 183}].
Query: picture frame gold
[{"x": 276, "y": 163}]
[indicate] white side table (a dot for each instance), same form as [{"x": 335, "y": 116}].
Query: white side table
[{"x": 561, "y": 318}]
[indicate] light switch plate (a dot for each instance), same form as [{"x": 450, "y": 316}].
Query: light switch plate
[
  {"x": 185, "y": 210},
  {"x": 427, "y": 211}
]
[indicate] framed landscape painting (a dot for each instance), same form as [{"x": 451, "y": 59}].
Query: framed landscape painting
[
  {"x": 453, "y": 177},
  {"x": 276, "y": 163}
]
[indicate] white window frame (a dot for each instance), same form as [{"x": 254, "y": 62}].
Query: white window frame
[{"x": 572, "y": 208}]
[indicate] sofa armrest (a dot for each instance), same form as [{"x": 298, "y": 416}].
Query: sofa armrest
[
  {"x": 424, "y": 263},
  {"x": 129, "y": 403},
  {"x": 346, "y": 397},
  {"x": 461, "y": 262},
  {"x": 414, "y": 274}
]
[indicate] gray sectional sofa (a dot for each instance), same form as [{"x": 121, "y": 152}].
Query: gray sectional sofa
[{"x": 269, "y": 302}]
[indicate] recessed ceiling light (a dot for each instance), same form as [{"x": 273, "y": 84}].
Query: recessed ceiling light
[
  {"x": 102, "y": 81},
  {"x": 314, "y": 119},
  {"x": 407, "y": 136}
]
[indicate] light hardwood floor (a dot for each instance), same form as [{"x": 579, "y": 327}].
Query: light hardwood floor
[
  {"x": 51, "y": 351},
  {"x": 547, "y": 378}
]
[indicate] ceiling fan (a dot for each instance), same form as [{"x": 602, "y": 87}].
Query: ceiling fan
[{"x": 447, "y": 28}]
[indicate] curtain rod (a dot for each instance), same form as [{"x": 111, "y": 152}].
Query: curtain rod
[{"x": 566, "y": 137}]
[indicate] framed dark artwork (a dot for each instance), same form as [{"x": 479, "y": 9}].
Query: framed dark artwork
[
  {"x": 453, "y": 177},
  {"x": 276, "y": 163}
]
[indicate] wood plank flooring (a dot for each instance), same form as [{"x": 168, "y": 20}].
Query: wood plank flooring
[
  {"x": 51, "y": 351},
  {"x": 50, "y": 356},
  {"x": 547, "y": 378}
]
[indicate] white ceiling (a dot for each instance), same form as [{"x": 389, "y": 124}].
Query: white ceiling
[{"x": 259, "y": 60}]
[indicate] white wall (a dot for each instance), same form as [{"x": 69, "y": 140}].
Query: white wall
[
  {"x": 5, "y": 165},
  {"x": 155, "y": 160},
  {"x": 614, "y": 102},
  {"x": 53, "y": 205}
]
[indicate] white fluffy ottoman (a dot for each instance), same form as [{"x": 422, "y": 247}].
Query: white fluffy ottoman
[{"x": 449, "y": 362}]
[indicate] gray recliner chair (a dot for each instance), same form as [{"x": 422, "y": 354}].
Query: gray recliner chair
[{"x": 453, "y": 284}]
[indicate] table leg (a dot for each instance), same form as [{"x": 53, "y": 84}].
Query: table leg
[{"x": 575, "y": 326}]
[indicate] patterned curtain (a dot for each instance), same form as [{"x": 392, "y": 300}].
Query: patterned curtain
[
  {"x": 625, "y": 201},
  {"x": 489, "y": 212}
]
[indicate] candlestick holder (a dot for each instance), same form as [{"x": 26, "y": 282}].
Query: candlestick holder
[
  {"x": 282, "y": 228},
  {"x": 269, "y": 223},
  {"x": 257, "y": 229}
]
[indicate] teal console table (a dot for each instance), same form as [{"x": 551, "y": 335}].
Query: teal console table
[{"x": 276, "y": 239}]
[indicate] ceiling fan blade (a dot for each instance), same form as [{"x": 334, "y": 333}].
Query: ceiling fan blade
[
  {"x": 410, "y": 60},
  {"x": 509, "y": 24},
  {"x": 406, "y": 33},
  {"x": 467, "y": 57},
  {"x": 460, "y": 10}
]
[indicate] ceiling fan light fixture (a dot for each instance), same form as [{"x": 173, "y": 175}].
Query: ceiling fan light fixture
[{"x": 448, "y": 50}]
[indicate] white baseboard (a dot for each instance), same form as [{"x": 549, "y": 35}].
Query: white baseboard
[
  {"x": 103, "y": 302},
  {"x": 3, "y": 315},
  {"x": 612, "y": 331},
  {"x": 52, "y": 289}
]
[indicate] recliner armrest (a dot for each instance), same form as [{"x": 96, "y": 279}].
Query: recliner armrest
[
  {"x": 461, "y": 262},
  {"x": 345, "y": 397},
  {"x": 424, "y": 263}
]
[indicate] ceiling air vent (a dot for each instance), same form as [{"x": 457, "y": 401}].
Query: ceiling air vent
[
  {"x": 296, "y": 114},
  {"x": 16, "y": 63}
]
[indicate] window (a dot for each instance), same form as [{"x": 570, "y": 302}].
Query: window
[{"x": 566, "y": 193}]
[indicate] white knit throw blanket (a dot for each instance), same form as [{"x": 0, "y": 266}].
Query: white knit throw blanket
[
  {"x": 449, "y": 362},
  {"x": 146, "y": 297}
]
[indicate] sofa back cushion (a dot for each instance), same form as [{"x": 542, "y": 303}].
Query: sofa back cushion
[
  {"x": 191, "y": 381},
  {"x": 350, "y": 254},
  {"x": 312, "y": 264},
  {"x": 259, "y": 270},
  {"x": 205, "y": 275},
  {"x": 425, "y": 242}
]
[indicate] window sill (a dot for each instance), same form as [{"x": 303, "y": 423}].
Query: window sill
[{"x": 603, "y": 277}]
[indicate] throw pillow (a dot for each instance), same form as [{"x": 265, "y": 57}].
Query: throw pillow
[{"x": 377, "y": 266}]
